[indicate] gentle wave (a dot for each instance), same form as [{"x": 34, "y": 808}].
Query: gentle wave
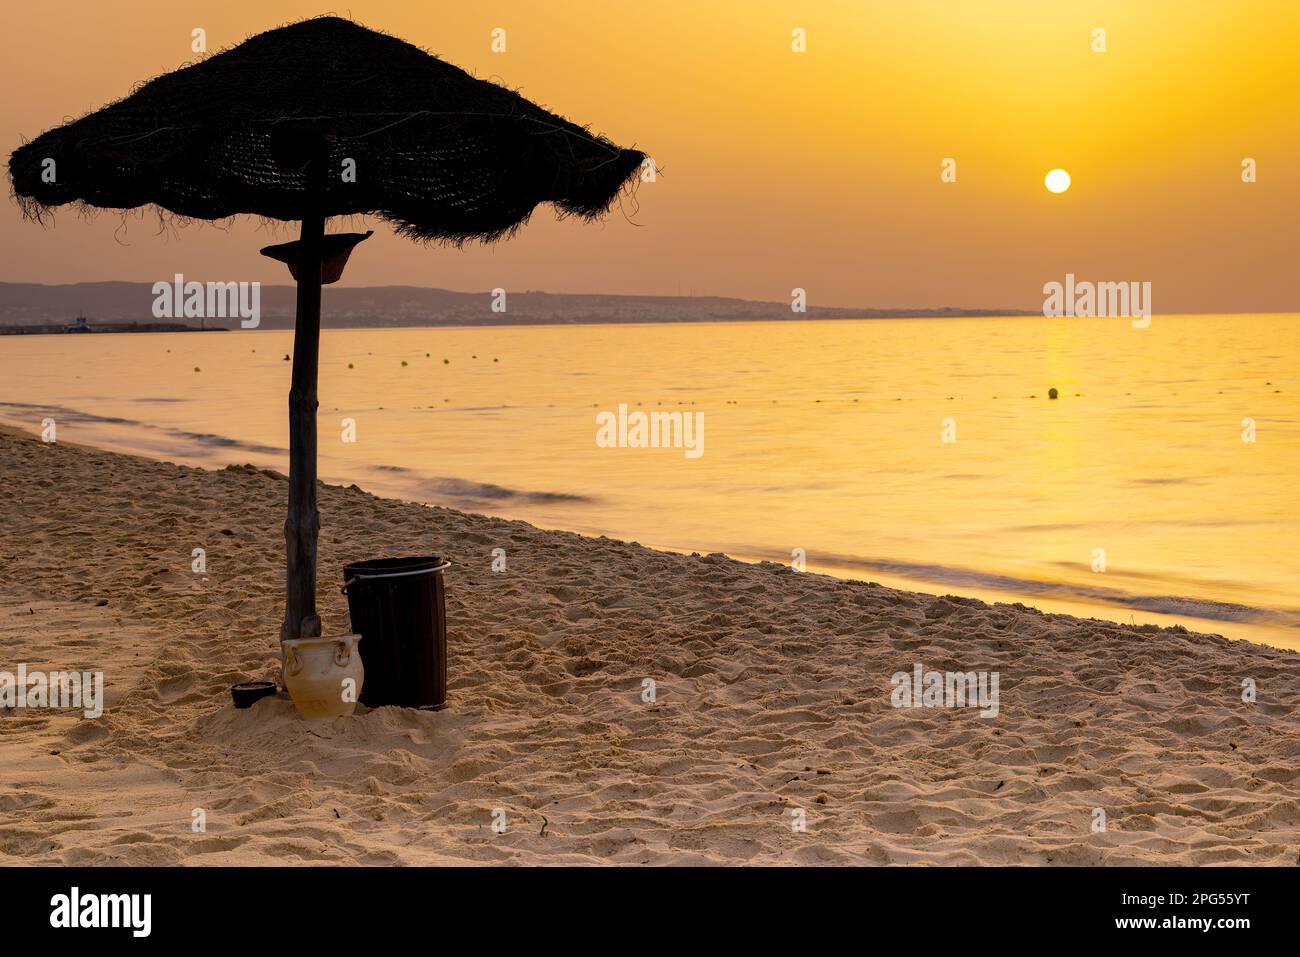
[
  {"x": 1202, "y": 608},
  {"x": 487, "y": 492},
  {"x": 454, "y": 492},
  {"x": 204, "y": 438}
]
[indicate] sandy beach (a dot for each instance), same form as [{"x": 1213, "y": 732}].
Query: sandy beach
[{"x": 773, "y": 695}]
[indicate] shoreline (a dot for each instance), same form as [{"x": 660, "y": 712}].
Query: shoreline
[
  {"x": 773, "y": 694},
  {"x": 1238, "y": 622}
]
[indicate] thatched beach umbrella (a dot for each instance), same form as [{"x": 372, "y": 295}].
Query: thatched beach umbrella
[{"x": 317, "y": 119}]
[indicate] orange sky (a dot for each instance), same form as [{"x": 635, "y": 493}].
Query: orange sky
[{"x": 778, "y": 169}]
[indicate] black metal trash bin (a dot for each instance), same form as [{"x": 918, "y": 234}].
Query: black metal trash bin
[{"x": 398, "y": 606}]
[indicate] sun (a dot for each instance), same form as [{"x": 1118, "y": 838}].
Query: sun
[{"x": 1057, "y": 181}]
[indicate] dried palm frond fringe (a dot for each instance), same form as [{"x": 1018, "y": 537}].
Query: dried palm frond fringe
[{"x": 439, "y": 154}]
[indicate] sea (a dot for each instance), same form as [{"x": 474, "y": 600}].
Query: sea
[{"x": 1084, "y": 466}]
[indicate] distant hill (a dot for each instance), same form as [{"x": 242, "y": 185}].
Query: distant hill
[{"x": 34, "y": 304}]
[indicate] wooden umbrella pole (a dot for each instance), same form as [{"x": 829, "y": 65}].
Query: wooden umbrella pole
[{"x": 302, "y": 526}]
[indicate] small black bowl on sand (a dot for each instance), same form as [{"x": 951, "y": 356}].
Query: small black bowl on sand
[{"x": 247, "y": 692}]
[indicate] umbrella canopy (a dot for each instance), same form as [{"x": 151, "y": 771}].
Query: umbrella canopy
[
  {"x": 317, "y": 119},
  {"x": 439, "y": 154}
]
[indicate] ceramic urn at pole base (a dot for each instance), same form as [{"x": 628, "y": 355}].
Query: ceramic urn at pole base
[{"x": 323, "y": 675}]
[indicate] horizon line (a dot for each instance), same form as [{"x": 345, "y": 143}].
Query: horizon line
[{"x": 988, "y": 311}]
